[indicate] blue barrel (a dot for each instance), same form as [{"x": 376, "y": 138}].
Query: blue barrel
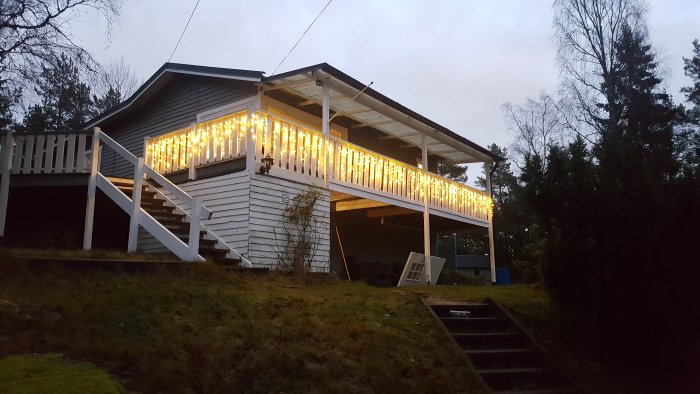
[{"x": 502, "y": 276}]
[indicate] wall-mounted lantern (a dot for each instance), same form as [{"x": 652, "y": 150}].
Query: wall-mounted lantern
[{"x": 267, "y": 164}]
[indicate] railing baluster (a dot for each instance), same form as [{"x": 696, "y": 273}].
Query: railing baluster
[
  {"x": 28, "y": 154},
  {"x": 39, "y": 155}
]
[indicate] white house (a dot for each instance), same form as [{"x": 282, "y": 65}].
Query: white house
[{"x": 195, "y": 139}]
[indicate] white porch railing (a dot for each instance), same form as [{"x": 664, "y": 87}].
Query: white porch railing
[
  {"x": 46, "y": 153},
  {"x": 306, "y": 152},
  {"x": 217, "y": 140},
  {"x": 67, "y": 153}
]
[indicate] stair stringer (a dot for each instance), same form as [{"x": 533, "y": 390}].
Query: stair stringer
[{"x": 209, "y": 234}]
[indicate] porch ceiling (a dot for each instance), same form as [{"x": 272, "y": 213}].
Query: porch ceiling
[{"x": 369, "y": 111}]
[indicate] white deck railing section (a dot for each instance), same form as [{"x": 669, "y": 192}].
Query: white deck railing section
[
  {"x": 46, "y": 153},
  {"x": 302, "y": 150},
  {"x": 217, "y": 140}
]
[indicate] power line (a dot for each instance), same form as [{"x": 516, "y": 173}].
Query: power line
[
  {"x": 184, "y": 30},
  {"x": 302, "y": 36}
]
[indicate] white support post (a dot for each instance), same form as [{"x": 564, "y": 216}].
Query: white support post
[
  {"x": 135, "y": 207},
  {"x": 426, "y": 213},
  {"x": 195, "y": 217},
  {"x": 492, "y": 256},
  {"x": 146, "y": 158},
  {"x": 325, "y": 128},
  {"x": 250, "y": 144},
  {"x": 7, "y": 150},
  {"x": 192, "y": 172},
  {"x": 92, "y": 187}
]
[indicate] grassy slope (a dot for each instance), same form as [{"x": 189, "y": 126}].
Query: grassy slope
[
  {"x": 206, "y": 331},
  {"x": 49, "y": 373}
]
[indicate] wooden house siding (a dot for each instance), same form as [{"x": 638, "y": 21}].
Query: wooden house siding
[
  {"x": 174, "y": 107},
  {"x": 268, "y": 199},
  {"x": 227, "y": 197}
]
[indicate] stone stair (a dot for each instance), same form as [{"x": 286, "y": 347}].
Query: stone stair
[{"x": 506, "y": 357}]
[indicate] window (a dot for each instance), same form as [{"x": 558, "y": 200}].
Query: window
[{"x": 415, "y": 272}]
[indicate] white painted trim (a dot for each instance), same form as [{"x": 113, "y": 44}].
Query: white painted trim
[
  {"x": 222, "y": 76},
  {"x": 228, "y": 109},
  {"x": 359, "y": 191},
  {"x": 136, "y": 207},
  {"x": 426, "y": 213},
  {"x": 162, "y": 234},
  {"x": 7, "y": 150},
  {"x": 195, "y": 218},
  {"x": 92, "y": 188},
  {"x": 492, "y": 255}
]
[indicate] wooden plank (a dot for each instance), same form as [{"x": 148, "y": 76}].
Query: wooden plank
[
  {"x": 358, "y": 204},
  {"x": 70, "y": 154},
  {"x": 391, "y": 211},
  {"x": 28, "y": 154},
  {"x": 17, "y": 154},
  {"x": 80, "y": 167},
  {"x": 39, "y": 155},
  {"x": 50, "y": 149}
]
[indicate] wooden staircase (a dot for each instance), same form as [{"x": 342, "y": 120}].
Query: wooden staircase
[
  {"x": 506, "y": 357},
  {"x": 174, "y": 221}
]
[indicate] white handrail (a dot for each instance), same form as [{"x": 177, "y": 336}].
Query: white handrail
[
  {"x": 153, "y": 174},
  {"x": 162, "y": 234},
  {"x": 123, "y": 152},
  {"x": 172, "y": 188},
  {"x": 244, "y": 261}
]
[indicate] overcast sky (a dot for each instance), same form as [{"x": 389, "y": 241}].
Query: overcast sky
[{"x": 455, "y": 62}]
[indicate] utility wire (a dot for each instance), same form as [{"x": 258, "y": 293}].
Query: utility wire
[
  {"x": 300, "y": 38},
  {"x": 184, "y": 30}
]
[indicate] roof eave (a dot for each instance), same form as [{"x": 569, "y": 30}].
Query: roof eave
[{"x": 175, "y": 68}]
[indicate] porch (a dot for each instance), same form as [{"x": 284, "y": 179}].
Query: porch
[{"x": 300, "y": 153}]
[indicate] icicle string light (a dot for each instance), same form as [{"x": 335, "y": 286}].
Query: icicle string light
[{"x": 297, "y": 148}]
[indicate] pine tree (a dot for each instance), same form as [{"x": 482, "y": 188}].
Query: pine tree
[
  {"x": 65, "y": 100},
  {"x": 110, "y": 99},
  {"x": 692, "y": 69},
  {"x": 8, "y": 99}
]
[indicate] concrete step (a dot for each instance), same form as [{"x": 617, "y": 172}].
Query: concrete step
[{"x": 475, "y": 310}]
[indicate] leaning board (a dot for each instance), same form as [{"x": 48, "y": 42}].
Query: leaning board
[{"x": 414, "y": 272}]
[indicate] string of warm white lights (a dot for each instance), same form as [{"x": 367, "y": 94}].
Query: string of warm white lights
[{"x": 298, "y": 149}]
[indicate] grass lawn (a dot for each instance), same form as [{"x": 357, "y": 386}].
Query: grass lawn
[
  {"x": 204, "y": 330},
  {"x": 50, "y": 373}
]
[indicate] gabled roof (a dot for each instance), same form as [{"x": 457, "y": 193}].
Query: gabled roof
[
  {"x": 444, "y": 142},
  {"x": 160, "y": 77}
]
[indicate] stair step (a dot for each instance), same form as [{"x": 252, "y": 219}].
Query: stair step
[
  {"x": 208, "y": 242},
  {"x": 474, "y": 323},
  {"x": 145, "y": 194},
  {"x": 158, "y": 214},
  {"x": 513, "y": 371},
  {"x": 475, "y": 310},
  {"x": 537, "y": 391},
  {"x": 212, "y": 252},
  {"x": 227, "y": 262},
  {"x": 505, "y": 358},
  {"x": 175, "y": 223},
  {"x": 475, "y": 352},
  {"x": 156, "y": 206},
  {"x": 121, "y": 181},
  {"x": 486, "y": 335}
]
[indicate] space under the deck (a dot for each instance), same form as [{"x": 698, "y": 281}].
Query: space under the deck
[
  {"x": 48, "y": 212},
  {"x": 377, "y": 237}
]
